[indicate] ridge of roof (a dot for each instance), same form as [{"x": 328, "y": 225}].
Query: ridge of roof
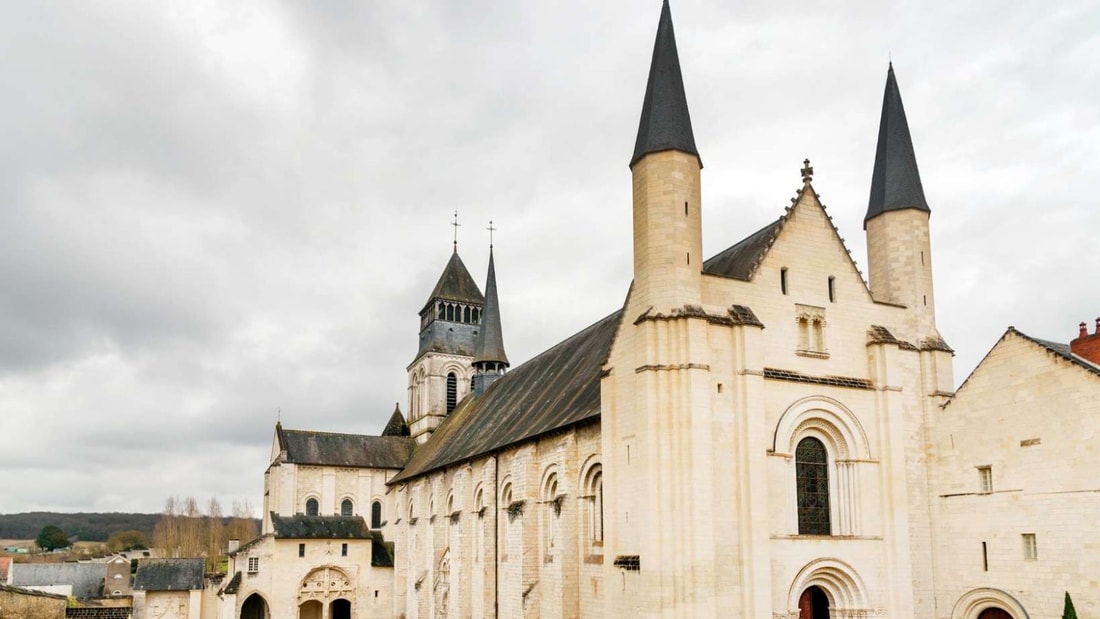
[
  {"x": 740, "y": 260},
  {"x": 490, "y": 340},
  {"x": 1059, "y": 349},
  {"x": 455, "y": 284},
  {"x": 665, "y": 123},
  {"x": 558, "y": 388},
  {"x": 895, "y": 180},
  {"x": 354, "y": 450}
]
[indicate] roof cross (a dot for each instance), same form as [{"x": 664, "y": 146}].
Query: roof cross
[
  {"x": 807, "y": 171},
  {"x": 456, "y": 225},
  {"x": 491, "y": 230}
]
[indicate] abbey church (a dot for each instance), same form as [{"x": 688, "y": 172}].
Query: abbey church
[{"x": 760, "y": 433}]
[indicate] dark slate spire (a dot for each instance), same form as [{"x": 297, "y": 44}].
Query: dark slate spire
[
  {"x": 490, "y": 341},
  {"x": 895, "y": 182},
  {"x": 665, "y": 123},
  {"x": 456, "y": 284},
  {"x": 396, "y": 426}
]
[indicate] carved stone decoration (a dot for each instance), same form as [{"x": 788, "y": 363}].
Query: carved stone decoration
[{"x": 326, "y": 583}]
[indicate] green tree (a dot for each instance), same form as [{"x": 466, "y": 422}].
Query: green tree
[
  {"x": 1068, "y": 611},
  {"x": 127, "y": 540},
  {"x": 51, "y": 537}
]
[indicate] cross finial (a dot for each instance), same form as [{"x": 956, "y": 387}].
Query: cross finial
[
  {"x": 456, "y": 225},
  {"x": 807, "y": 172},
  {"x": 491, "y": 230}
]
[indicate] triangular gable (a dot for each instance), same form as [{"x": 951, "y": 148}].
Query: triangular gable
[
  {"x": 743, "y": 259},
  {"x": 1059, "y": 352}
]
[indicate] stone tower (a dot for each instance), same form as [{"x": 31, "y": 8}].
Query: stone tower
[
  {"x": 490, "y": 361},
  {"x": 899, "y": 252},
  {"x": 442, "y": 372}
]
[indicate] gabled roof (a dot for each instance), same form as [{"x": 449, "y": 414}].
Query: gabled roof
[
  {"x": 355, "y": 450},
  {"x": 456, "y": 284},
  {"x": 1059, "y": 350},
  {"x": 556, "y": 389},
  {"x": 301, "y": 526},
  {"x": 740, "y": 260},
  {"x": 895, "y": 181},
  {"x": 169, "y": 574},
  {"x": 381, "y": 553},
  {"x": 490, "y": 340},
  {"x": 665, "y": 122},
  {"x": 86, "y": 579},
  {"x": 396, "y": 426}
]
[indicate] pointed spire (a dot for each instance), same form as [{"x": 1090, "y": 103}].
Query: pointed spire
[
  {"x": 490, "y": 341},
  {"x": 665, "y": 123},
  {"x": 895, "y": 182},
  {"x": 456, "y": 284},
  {"x": 396, "y": 426}
]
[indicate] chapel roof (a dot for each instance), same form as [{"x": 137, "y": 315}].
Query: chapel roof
[
  {"x": 301, "y": 526},
  {"x": 665, "y": 123},
  {"x": 554, "y": 390},
  {"x": 396, "y": 426},
  {"x": 169, "y": 574},
  {"x": 355, "y": 450},
  {"x": 456, "y": 284},
  {"x": 741, "y": 260},
  {"x": 895, "y": 180}
]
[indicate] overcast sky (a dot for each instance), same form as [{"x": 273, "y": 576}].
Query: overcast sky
[{"x": 212, "y": 211}]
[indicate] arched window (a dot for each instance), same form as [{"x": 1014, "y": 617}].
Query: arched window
[
  {"x": 442, "y": 312},
  {"x": 376, "y": 515},
  {"x": 450, "y": 312},
  {"x": 479, "y": 525},
  {"x": 552, "y": 510},
  {"x": 466, "y": 314},
  {"x": 475, "y": 315},
  {"x": 593, "y": 496},
  {"x": 452, "y": 391},
  {"x": 311, "y": 507},
  {"x": 811, "y": 461},
  {"x": 347, "y": 508}
]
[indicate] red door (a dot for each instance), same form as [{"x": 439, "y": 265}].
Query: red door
[{"x": 813, "y": 604}]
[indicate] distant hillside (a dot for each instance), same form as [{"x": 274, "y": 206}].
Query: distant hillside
[{"x": 92, "y": 527}]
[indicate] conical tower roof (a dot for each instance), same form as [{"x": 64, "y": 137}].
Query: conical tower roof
[
  {"x": 895, "y": 182},
  {"x": 490, "y": 340},
  {"x": 396, "y": 426},
  {"x": 456, "y": 284},
  {"x": 665, "y": 123}
]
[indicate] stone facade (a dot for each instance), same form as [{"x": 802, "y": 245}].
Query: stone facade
[{"x": 17, "y": 603}]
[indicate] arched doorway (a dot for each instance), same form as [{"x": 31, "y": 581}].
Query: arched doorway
[
  {"x": 254, "y": 607},
  {"x": 994, "y": 613},
  {"x": 310, "y": 610},
  {"x": 813, "y": 604},
  {"x": 340, "y": 609}
]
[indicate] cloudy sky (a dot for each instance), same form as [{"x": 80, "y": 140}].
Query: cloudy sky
[{"x": 211, "y": 212}]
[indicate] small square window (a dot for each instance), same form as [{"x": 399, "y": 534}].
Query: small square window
[
  {"x": 985, "y": 479},
  {"x": 1031, "y": 549},
  {"x": 253, "y": 565},
  {"x": 301, "y": 550},
  {"x": 343, "y": 550}
]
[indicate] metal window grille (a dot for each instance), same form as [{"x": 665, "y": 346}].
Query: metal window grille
[{"x": 812, "y": 487}]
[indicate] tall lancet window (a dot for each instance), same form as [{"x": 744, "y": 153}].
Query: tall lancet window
[
  {"x": 452, "y": 391},
  {"x": 811, "y": 462}
]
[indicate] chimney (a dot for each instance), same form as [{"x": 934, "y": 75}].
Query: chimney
[
  {"x": 1087, "y": 346},
  {"x": 234, "y": 544}
]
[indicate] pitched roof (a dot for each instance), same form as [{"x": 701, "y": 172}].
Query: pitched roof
[
  {"x": 740, "y": 260},
  {"x": 456, "y": 284},
  {"x": 665, "y": 122},
  {"x": 396, "y": 426},
  {"x": 381, "y": 553},
  {"x": 895, "y": 181},
  {"x": 356, "y": 450},
  {"x": 233, "y": 586},
  {"x": 86, "y": 579},
  {"x": 169, "y": 574},
  {"x": 556, "y": 389},
  {"x": 490, "y": 340},
  {"x": 301, "y": 526},
  {"x": 1060, "y": 350}
]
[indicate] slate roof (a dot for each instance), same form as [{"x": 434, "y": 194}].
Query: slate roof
[
  {"x": 233, "y": 586},
  {"x": 554, "y": 390},
  {"x": 665, "y": 122},
  {"x": 456, "y": 284},
  {"x": 355, "y": 450},
  {"x": 740, "y": 260},
  {"x": 895, "y": 181},
  {"x": 86, "y": 578},
  {"x": 490, "y": 340},
  {"x": 301, "y": 526},
  {"x": 381, "y": 553},
  {"x": 169, "y": 574},
  {"x": 396, "y": 426},
  {"x": 1059, "y": 349}
]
